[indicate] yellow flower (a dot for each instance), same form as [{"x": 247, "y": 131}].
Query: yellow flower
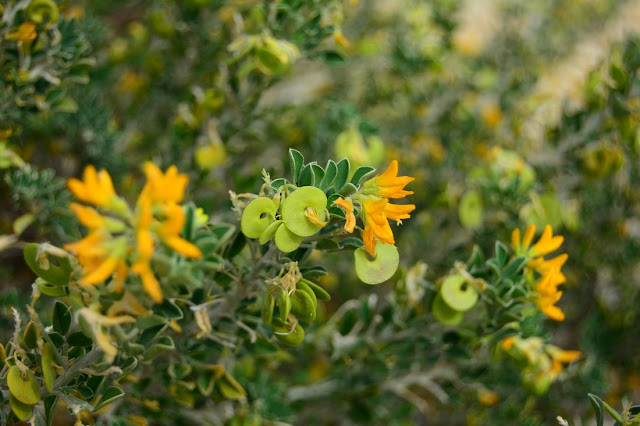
[
  {"x": 551, "y": 276},
  {"x": 26, "y": 32},
  {"x": 95, "y": 188},
  {"x": 107, "y": 250},
  {"x": 100, "y": 256},
  {"x": 149, "y": 280},
  {"x": 168, "y": 187},
  {"x": 389, "y": 184},
  {"x": 545, "y": 245},
  {"x": 170, "y": 229},
  {"x": 347, "y": 205},
  {"x": 376, "y": 213},
  {"x": 548, "y": 294}
]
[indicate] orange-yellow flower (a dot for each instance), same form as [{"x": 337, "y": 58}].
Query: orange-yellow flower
[
  {"x": 168, "y": 187},
  {"x": 170, "y": 229},
  {"x": 376, "y": 213},
  {"x": 347, "y": 205},
  {"x": 545, "y": 245},
  {"x": 26, "y": 32},
  {"x": 95, "y": 188},
  {"x": 149, "y": 280},
  {"x": 389, "y": 184},
  {"x": 548, "y": 294}
]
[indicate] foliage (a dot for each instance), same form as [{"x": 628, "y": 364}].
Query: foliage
[{"x": 229, "y": 250}]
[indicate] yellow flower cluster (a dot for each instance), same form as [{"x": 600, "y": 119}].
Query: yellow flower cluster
[
  {"x": 375, "y": 209},
  {"x": 119, "y": 240},
  {"x": 544, "y": 361},
  {"x": 550, "y": 270}
]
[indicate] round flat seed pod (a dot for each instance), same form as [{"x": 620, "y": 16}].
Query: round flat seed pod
[
  {"x": 379, "y": 269},
  {"x": 257, "y": 216},
  {"x": 27, "y": 389},
  {"x": 287, "y": 241},
  {"x": 303, "y": 306},
  {"x": 443, "y": 312},
  {"x": 287, "y": 334},
  {"x": 268, "y": 233},
  {"x": 20, "y": 409},
  {"x": 294, "y": 206},
  {"x": 458, "y": 294}
]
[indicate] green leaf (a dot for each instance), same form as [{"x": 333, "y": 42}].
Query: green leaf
[
  {"x": 351, "y": 242},
  {"x": 50, "y": 408},
  {"x": 477, "y": 257},
  {"x": 314, "y": 271},
  {"x": 362, "y": 173},
  {"x": 306, "y": 176},
  {"x": 277, "y": 183},
  {"x": 596, "y": 404},
  {"x": 296, "y": 160},
  {"x": 128, "y": 365},
  {"x": 30, "y": 336},
  {"x": 150, "y": 334},
  {"x": 164, "y": 344},
  {"x": 318, "y": 174},
  {"x": 348, "y": 189},
  {"x": 61, "y": 318},
  {"x": 342, "y": 174},
  {"x": 330, "y": 172},
  {"x": 110, "y": 395},
  {"x": 78, "y": 338},
  {"x": 502, "y": 254},
  {"x": 513, "y": 267},
  {"x": 327, "y": 245},
  {"x": 169, "y": 310},
  {"x": 150, "y": 321},
  {"x": 332, "y": 58}
]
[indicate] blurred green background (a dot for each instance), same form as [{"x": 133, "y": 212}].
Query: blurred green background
[{"x": 507, "y": 112}]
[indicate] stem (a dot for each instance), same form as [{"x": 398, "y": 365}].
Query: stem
[
  {"x": 613, "y": 413},
  {"x": 77, "y": 368}
]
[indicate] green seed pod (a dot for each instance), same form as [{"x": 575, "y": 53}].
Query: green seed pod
[
  {"x": 284, "y": 303},
  {"x": 444, "y": 314},
  {"x": 49, "y": 289},
  {"x": 287, "y": 241},
  {"x": 294, "y": 206},
  {"x": 302, "y": 285},
  {"x": 22, "y": 411},
  {"x": 257, "y": 216},
  {"x": 302, "y": 306},
  {"x": 320, "y": 292},
  {"x": 470, "y": 210},
  {"x": 48, "y": 371},
  {"x": 54, "y": 274},
  {"x": 288, "y": 334},
  {"x": 39, "y": 9},
  {"x": 268, "y": 233},
  {"x": 458, "y": 294},
  {"x": 268, "y": 305},
  {"x": 379, "y": 269},
  {"x": 229, "y": 387},
  {"x": 25, "y": 390},
  {"x": 3, "y": 355},
  {"x": 31, "y": 335}
]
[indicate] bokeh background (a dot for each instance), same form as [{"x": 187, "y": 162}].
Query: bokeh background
[{"x": 507, "y": 112}]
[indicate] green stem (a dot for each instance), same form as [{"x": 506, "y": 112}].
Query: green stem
[{"x": 613, "y": 413}]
